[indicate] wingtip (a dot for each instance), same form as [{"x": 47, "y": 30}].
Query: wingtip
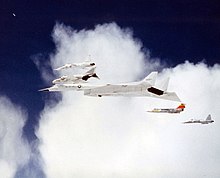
[{"x": 97, "y": 77}]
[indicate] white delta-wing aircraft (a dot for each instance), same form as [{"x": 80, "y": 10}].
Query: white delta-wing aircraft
[
  {"x": 143, "y": 88},
  {"x": 194, "y": 121},
  {"x": 179, "y": 109},
  {"x": 80, "y": 78}
]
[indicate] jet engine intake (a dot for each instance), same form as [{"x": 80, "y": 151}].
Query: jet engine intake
[{"x": 155, "y": 91}]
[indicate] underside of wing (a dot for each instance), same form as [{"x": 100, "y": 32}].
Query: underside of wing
[
  {"x": 170, "y": 96},
  {"x": 112, "y": 90}
]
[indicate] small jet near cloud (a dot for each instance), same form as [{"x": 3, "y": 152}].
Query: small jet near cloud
[
  {"x": 81, "y": 65},
  {"x": 207, "y": 121},
  {"x": 80, "y": 78},
  {"x": 179, "y": 109}
]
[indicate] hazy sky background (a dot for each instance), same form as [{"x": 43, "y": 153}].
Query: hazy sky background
[{"x": 71, "y": 135}]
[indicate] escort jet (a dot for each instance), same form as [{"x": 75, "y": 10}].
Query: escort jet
[
  {"x": 80, "y": 78},
  {"x": 82, "y": 65},
  {"x": 194, "y": 121},
  {"x": 179, "y": 109}
]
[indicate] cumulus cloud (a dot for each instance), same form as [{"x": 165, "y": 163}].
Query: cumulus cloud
[
  {"x": 114, "y": 136},
  {"x": 14, "y": 149}
]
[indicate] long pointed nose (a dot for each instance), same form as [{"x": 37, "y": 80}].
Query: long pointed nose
[{"x": 56, "y": 81}]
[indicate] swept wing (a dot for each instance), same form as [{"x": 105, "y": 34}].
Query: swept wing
[{"x": 142, "y": 88}]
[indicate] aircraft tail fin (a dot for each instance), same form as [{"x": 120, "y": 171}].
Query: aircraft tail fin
[
  {"x": 164, "y": 84},
  {"x": 209, "y": 117},
  {"x": 151, "y": 78},
  {"x": 95, "y": 75},
  {"x": 86, "y": 77},
  {"x": 181, "y": 106}
]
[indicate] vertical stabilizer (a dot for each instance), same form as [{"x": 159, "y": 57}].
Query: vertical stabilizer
[
  {"x": 209, "y": 118},
  {"x": 164, "y": 84},
  {"x": 151, "y": 78}
]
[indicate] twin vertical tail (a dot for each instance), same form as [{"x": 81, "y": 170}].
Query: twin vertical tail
[
  {"x": 164, "y": 84},
  {"x": 151, "y": 78}
]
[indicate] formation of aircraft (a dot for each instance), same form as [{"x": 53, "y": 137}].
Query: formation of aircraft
[
  {"x": 179, "y": 109},
  {"x": 143, "y": 88},
  {"x": 208, "y": 120},
  {"x": 79, "y": 78}
]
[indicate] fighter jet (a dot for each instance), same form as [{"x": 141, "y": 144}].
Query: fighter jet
[
  {"x": 179, "y": 109},
  {"x": 81, "y": 78},
  {"x": 207, "y": 121},
  {"x": 142, "y": 88},
  {"x": 82, "y": 65}
]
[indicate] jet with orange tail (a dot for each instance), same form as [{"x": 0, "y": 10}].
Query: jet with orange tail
[{"x": 179, "y": 109}]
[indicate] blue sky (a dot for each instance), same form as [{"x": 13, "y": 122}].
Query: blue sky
[{"x": 172, "y": 31}]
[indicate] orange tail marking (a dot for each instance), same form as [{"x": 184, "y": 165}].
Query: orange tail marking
[{"x": 181, "y": 106}]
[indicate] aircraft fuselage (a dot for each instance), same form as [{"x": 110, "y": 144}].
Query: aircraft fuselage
[{"x": 199, "y": 122}]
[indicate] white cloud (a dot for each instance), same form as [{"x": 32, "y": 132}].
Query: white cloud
[
  {"x": 14, "y": 149},
  {"x": 114, "y": 136}
]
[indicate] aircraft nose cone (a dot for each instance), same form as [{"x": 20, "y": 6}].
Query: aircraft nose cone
[{"x": 55, "y": 81}]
